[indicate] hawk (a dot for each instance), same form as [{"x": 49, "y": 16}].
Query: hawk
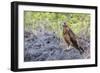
[{"x": 70, "y": 38}]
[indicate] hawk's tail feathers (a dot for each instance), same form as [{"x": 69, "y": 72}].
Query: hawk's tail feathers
[{"x": 81, "y": 50}]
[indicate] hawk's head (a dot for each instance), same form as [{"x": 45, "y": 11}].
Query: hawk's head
[{"x": 64, "y": 24}]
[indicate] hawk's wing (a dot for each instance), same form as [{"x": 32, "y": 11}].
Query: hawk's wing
[{"x": 72, "y": 37}]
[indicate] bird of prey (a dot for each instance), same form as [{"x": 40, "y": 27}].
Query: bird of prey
[{"x": 70, "y": 38}]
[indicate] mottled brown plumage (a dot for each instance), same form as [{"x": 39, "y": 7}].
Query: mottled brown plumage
[{"x": 70, "y": 38}]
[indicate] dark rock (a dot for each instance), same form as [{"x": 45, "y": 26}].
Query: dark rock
[{"x": 46, "y": 47}]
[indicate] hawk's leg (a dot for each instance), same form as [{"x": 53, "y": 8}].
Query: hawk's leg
[{"x": 69, "y": 46}]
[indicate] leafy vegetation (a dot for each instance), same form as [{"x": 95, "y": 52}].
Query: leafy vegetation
[{"x": 52, "y": 21}]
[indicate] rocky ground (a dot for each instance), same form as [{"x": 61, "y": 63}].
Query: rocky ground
[{"x": 47, "y": 46}]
